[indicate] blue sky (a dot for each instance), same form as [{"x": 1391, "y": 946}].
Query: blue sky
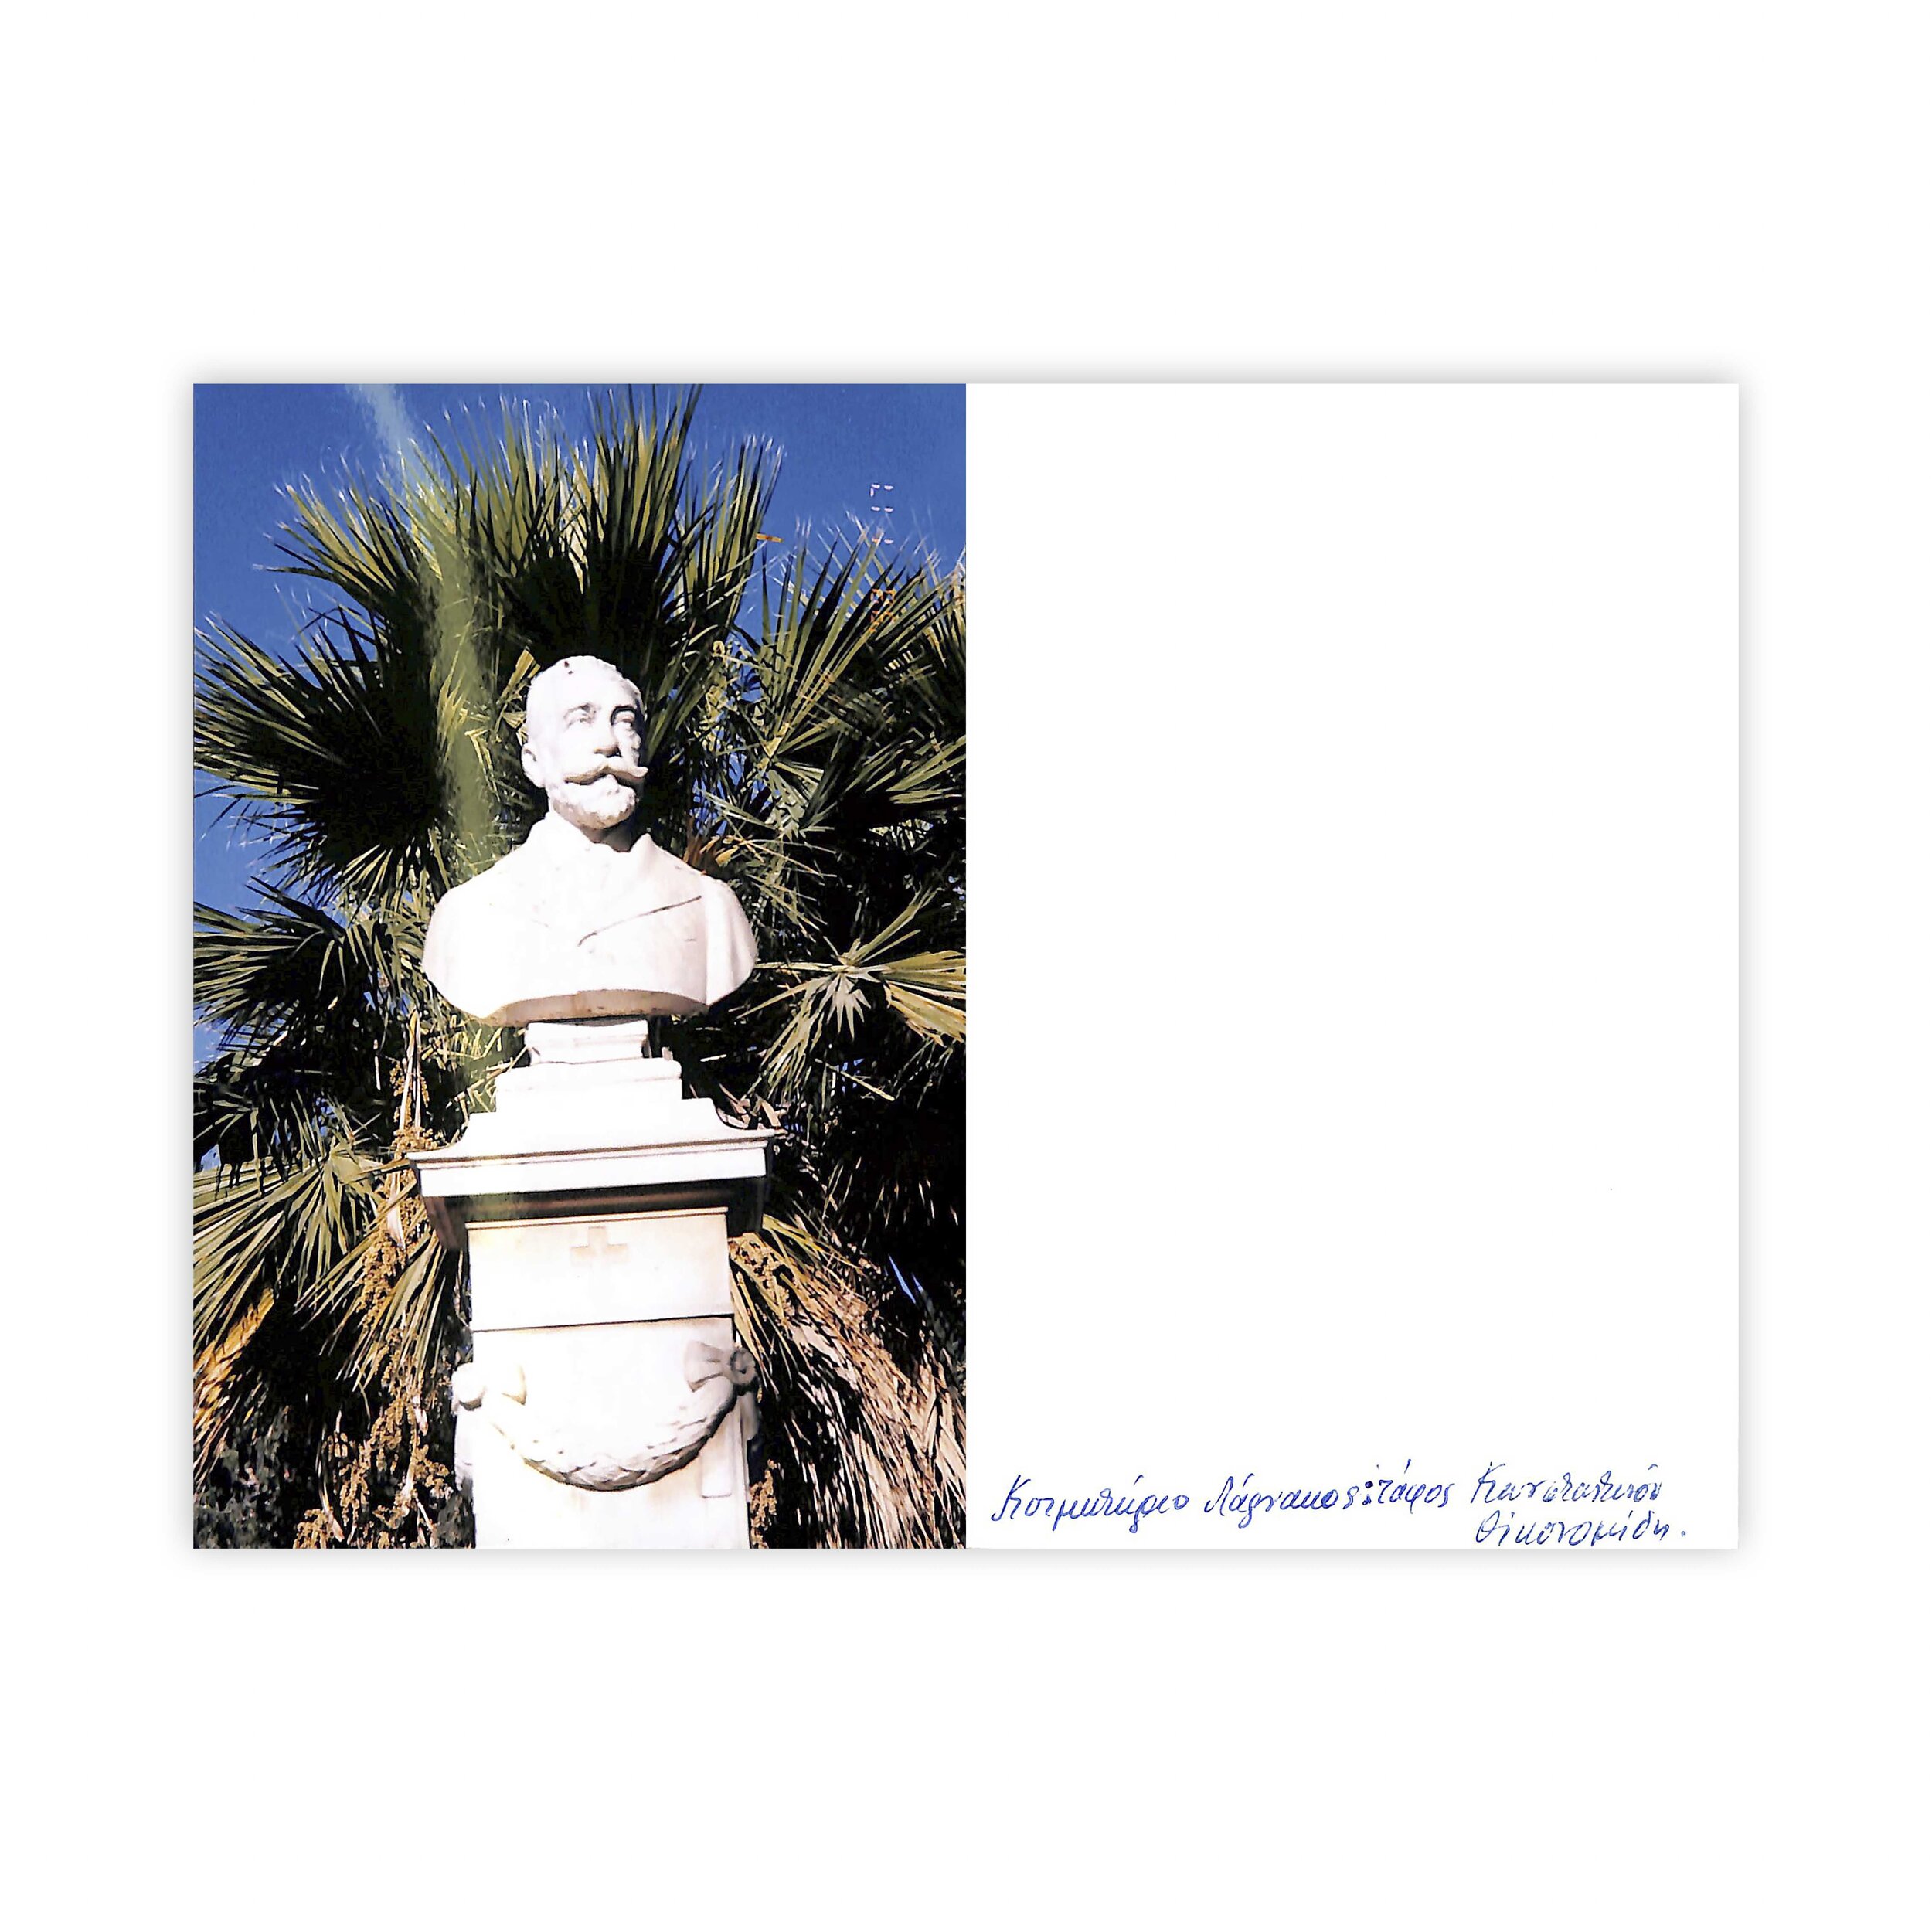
[{"x": 837, "y": 441}]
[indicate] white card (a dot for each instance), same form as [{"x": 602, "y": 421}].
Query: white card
[{"x": 1353, "y": 1127}]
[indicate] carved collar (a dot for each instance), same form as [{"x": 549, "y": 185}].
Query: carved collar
[{"x": 564, "y": 881}]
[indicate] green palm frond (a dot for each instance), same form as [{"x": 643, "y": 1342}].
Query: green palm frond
[
  {"x": 841, "y": 643},
  {"x": 260, "y": 1228},
  {"x": 823, "y": 1004},
  {"x": 335, "y": 754},
  {"x": 256, "y": 1230},
  {"x": 289, "y": 960}
]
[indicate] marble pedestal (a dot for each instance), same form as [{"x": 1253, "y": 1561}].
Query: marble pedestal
[{"x": 607, "y": 1404}]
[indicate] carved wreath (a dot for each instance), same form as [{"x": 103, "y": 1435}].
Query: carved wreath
[{"x": 717, "y": 1378}]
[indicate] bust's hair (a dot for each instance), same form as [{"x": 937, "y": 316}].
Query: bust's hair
[{"x": 558, "y": 676}]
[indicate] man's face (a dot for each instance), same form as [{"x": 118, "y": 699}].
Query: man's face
[{"x": 583, "y": 743}]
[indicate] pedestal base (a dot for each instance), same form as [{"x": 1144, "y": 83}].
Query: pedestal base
[{"x": 596, "y": 1206}]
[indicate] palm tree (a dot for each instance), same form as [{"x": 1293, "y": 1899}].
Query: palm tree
[{"x": 806, "y": 734}]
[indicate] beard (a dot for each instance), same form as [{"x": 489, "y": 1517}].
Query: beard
[{"x": 595, "y": 805}]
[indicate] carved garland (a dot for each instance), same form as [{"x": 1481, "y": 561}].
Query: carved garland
[{"x": 717, "y": 1377}]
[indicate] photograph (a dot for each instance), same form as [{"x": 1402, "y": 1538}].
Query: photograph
[
  {"x": 1444, "y": 1164},
  {"x": 580, "y": 966}
]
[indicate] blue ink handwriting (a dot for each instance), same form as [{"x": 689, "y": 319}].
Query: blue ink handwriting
[{"x": 1583, "y": 1526}]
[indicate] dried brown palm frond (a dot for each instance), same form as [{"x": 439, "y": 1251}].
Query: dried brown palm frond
[{"x": 863, "y": 1408}]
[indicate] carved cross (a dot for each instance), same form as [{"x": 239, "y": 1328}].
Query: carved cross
[{"x": 597, "y": 1250}]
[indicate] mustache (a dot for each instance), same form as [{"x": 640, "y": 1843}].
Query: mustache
[{"x": 598, "y": 768}]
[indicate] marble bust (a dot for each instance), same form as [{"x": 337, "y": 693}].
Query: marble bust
[{"x": 587, "y": 919}]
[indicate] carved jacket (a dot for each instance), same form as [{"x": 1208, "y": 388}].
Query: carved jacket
[{"x": 565, "y": 929}]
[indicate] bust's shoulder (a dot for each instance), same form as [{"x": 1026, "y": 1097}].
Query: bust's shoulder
[
  {"x": 469, "y": 925},
  {"x": 732, "y": 947},
  {"x": 670, "y": 875},
  {"x": 508, "y": 877}
]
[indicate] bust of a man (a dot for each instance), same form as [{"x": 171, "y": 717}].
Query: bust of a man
[{"x": 587, "y": 919}]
